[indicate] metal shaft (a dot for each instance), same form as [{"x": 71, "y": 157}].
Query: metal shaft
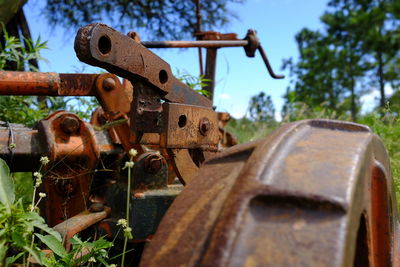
[
  {"x": 187, "y": 44},
  {"x": 46, "y": 83}
]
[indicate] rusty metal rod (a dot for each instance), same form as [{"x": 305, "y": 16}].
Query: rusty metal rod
[
  {"x": 187, "y": 44},
  {"x": 47, "y": 83},
  {"x": 268, "y": 65}
]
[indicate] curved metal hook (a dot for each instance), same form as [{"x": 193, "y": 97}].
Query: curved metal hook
[{"x": 268, "y": 65}]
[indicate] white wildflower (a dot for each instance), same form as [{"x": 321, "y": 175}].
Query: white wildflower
[
  {"x": 92, "y": 259},
  {"x": 44, "y": 160},
  {"x": 38, "y": 177},
  {"x": 122, "y": 222},
  {"x": 133, "y": 152},
  {"x": 41, "y": 194},
  {"x": 129, "y": 164},
  {"x": 128, "y": 232}
]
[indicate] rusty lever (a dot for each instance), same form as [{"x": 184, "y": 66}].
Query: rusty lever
[{"x": 99, "y": 45}]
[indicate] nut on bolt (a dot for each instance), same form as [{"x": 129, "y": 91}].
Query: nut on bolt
[
  {"x": 96, "y": 207},
  {"x": 204, "y": 126},
  {"x": 70, "y": 124},
  {"x": 153, "y": 163}
]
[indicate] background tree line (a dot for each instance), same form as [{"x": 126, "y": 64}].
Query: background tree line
[{"x": 356, "y": 53}]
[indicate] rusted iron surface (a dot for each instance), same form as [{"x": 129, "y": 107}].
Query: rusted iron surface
[
  {"x": 209, "y": 74},
  {"x": 78, "y": 223},
  {"x": 189, "y": 127},
  {"x": 46, "y": 83},
  {"x": 115, "y": 99},
  {"x": 98, "y": 44},
  {"x": 314, "y": 193},
  {"x": 184, "y": 167},
  {"x": 72, "y": 147},
  {"x": 102, "y": 46},
  {"x": 25, "y": 154}
]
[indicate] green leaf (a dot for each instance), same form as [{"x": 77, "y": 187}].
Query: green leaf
[
  {"x": 12, "y": 259},
  {"x": 75, "y": 240},
  {"x": 48, "y": 230},
  {"x": 3, "y": 251},
  {"x": 36, "y": 254},
  {"x": 18, "y": 239},
  {"x": 53, "y": 244},
  {"x": 7, "y": 195}
]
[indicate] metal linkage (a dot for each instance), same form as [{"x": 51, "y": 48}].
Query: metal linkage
[
  {"x": 102, "y": 46},
  {"x": 214, "y": 40}
]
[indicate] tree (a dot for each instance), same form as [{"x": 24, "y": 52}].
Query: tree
[
  {"x": 159, "y": 18},
  {"x": 261, "y": 108},
  {"x": 314, "y": 80},
  {"x": 358, "y": 47},
  {"x": 382, "y": 42}
]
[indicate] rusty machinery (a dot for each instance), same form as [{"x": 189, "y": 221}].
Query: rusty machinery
[{"x": 313, "y": 193}]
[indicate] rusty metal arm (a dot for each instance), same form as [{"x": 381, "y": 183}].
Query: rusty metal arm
[
  {"x": 47, "y": 83},
  {"x": 99, "y": 45}
]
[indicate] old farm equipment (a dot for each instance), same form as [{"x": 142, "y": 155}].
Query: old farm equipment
[{"x": 313, "y": 193}]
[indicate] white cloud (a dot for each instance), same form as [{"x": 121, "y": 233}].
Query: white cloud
[
  {"x": 371, "y": 100},
  {"x": 225, "y": 96}
]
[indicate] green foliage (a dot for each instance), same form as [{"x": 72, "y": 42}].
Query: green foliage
[
  {"x": 359, "y": 46},
  {"x": 26, "y": 109},
  {"x": 20, "y": 109},
  {"x": 19, "y": 226},
  {"x": 15, "y": 51},
  {"x": 388, "y": 129},
  {"x": 7, "y": 196},
  {"x": 194, "y": 82},
  {"x": 174, "y": 19},
  {"x": 246, "y": 130},
  {"x": 261, "y": 108}
]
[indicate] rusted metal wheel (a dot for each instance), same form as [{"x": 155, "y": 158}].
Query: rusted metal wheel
[{"x": 314, "y": 193}]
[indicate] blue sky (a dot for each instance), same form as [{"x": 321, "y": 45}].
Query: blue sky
[{"x": 238, "y": 77}]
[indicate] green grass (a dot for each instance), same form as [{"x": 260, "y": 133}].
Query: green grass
[{"x": 386, "y": 127}]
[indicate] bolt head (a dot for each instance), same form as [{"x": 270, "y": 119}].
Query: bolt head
[
  {"x": 109, "y": 84},
  {"x": 70, "y": 125},
  {"x": 204, "y": 126},
  {"x": 153, "y": 163}
]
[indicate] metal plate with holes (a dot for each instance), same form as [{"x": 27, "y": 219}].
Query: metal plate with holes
[{"x": 190, "y": 127}]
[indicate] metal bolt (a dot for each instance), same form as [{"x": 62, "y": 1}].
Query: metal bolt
[
  {"x": 153, "y": 163},
  {"x": 96, "y": 207},
  {"x": 134, "y": 35},
  {"x": 109, "y": 84},
  {"x": 204, "y": 126},
  {"x": 70, "y": 125}
]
